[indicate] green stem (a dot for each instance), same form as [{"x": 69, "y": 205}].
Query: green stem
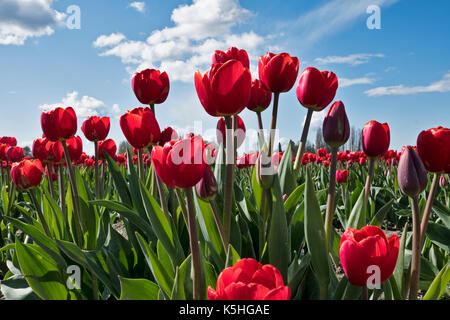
[
  {"x": 50, "y": 180},
  {"x": 261, "y": 129},
  {"x": 369, "y": 181},
  {"x": 428, "y": 207},
  {"x": 229, "y": 167},
  {"x": 219, "y": 225},
  {"x": 182, "y": 205},
  {"x": 97, "y": 184},
  {"x": 331, "y": 198},
  {"x": 62, "y": 195},
  {"x": 415, "y": 260},
  {"x": 141, "y": 166},
  {"x": 302, "y": 143},
  {"x": 39, "y": 212},
  {"x": 273, "y": 124}
]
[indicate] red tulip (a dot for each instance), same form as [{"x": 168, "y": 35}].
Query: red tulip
[
  {"x": 225, "y": 89},
  {"x": 239, "y": 132},
  {"x": 151, "y": 86},
  {"x": 278, "y": 71},
  {"x": 167, "y": 135},
  {"x": 59, "y": 124},
  {"x": 140, "y": 127},
  {"x": 96, "y": 128},
  {"x": 230, "y": 54},
  {"x": 341, "y": 176},
  {"x": 27, "y": 174},
  {"x": 316, "y": 89},
  {"x": 375, "y": 139},
  {"x": 53, "y": 176},
  {"x": 10, "y": 141},
  {"x": 336, "y": 128},
  {"x": 260, "y": 97},
  {"x": 14, "y": 154},
  {"x": 250, "y": 280},
  {"x": 322, "y": 152},
  {"x": 109, "y": 146},
  {"x": 367, "y": 247},
  {"x": 180, "y": 163},
  {"x": 75, "y": 148},
  {"x": 433, "y": 146}
]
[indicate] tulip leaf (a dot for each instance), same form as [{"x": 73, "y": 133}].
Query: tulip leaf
[
  {"x": 315, "y": 233},
  {"x": 379, "y": 217},
  {"x": 17, "y": 288},
  {"x": 439, "y": 284},
  {"x": 357, "y": 218},
  {"x": 439, "y": 235},
  {"x": 294, "y": 198},
  {"x": 138, "y": 289},
  {"x": 286, "y": 171},
  {"x": 135, "y": 191},
  {"x": 442, "y": 212},
  {"x": 219, "y": 170},
  {"x": 399, "y": 267},
  {"x": 258, "y": 192},
  {"x": 119, "y": 182},
  {"x": 232, "y": 257}
]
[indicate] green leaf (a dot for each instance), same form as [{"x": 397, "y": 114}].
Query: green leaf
[
  {"x": 258, "y": 192},
  {"x": 315, "y": 233},
  {"x": 17, "y": 288},
  {"x": 399, "y": 267},
  {"x": 357, "y": 218},
  {"x": 119, "y": 182},
  {"x": 232, "y": 256},
  {"x": 439, "y": 235},
  {"x": 138, "y": 289},
  {"x": 379, "y": 217},
  {"x": 286, "y": 171},
  {"x": 439, "y": 284},
  {"x": 442, "y": 211},
  {"x": 294, "y": 198}
]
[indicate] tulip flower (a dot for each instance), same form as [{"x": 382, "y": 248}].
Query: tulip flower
[
  {"x": 151, "y": 86},
  {"x": 341, "y": 176},
  {"x": 239, "y": 132},
  {"x": 278, "y": 72},
  {"x": 433, "y": 148},
  {"x": 75, "y": 148},
  {"x": 140, "y": 127},
  {"x": 361, "y": 249},
  {"x": 260, "y": 97},
  {"x": 10, "y": 141},
  {"x": 250, "y": 280},
  {"x": 96, "y": 128},
  {"x": 232, "y": 53},
  {"x": 109, "y": 146},
  {"x": 14, "y": 154},
  {"x": 375, "y": 139},
  {"x": 59, "y": 124},
  {"x": 336, "y": 128},
  {"x": 27, "y": 174},
  {"x": 225, "y": 89},
  {"x": 167, "y": 135},
  {"x": 443, "y": 182}
]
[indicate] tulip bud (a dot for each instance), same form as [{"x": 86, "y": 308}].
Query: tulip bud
[
  {"x": 412, "y": 176},
  {"x": 375, "y": 139},
  {"x": 207, "y": 187},
  {"x": 336, "y": 128},
  {"x": 265, "y": 171},
  {"x": 443, "y": 182}
]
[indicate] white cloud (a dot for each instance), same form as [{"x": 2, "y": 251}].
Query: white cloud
[
  {"x": 343, "y": 82},
  {"x": 198, "y": 29},
  {"x": 138, "y": 5},
  {"x": 23, "y": 19},
  {"x": 442, "y": 85},
  {"x": 84, "y": 106},
  {"x": 316, "y": 120},
  {"x": 352, "y": 59}
]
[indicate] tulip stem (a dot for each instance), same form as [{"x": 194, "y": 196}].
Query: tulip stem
[
  {"x": 50, "y": 180},
  {"x": 219, "y": 225},
  {"x": 75, "y": 200},
  {"x": 261, "y": 129},
  {"x": 182, "y": 205},
  {"x": 62, "y": 195},
  {"x": 428, "y": 207},
  {"x": 97, "y": 184},
  {"x": 273, "y": 124},
  {"x": 39, "y": 212},
  {"x": 140, "y": 165},
  {"x": 162, "y": 198},
  {"x": 228, "y": 193},
  {"x": 415, "y": 260},
  {"x": 302, "y": 143},
  {"x": 198, "y": 278},
  {"x": 369, "y": 181},
  {"x": 331, "y": 197}
]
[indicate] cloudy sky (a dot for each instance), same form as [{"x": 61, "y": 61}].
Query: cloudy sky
[{"x": 399, "y": 74}]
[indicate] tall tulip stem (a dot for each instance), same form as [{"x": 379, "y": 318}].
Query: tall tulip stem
[
  {"x": 97, "y": 184},
  {"x": 32, "y": 194},
  {"x": 273, "y": 124},
  {"x": 260, "y": 127},
  {"x": 369, "y": 181},
  {"x": 219, "y": 225},
  {"x": 140, "y": 165},
  {"x": 62, "y": 194},
  {"x": 429, "y": 205},
  {"x": 331, "y": 197},
  {"x": 182, "y": 205},
  {"x": 50, "y": 180},
  {"x": 228, "y": 193},
  {"x": 415, "y": 260},
  {"x": 198, "y": 277},
  {"x": 302, "y": 143}
]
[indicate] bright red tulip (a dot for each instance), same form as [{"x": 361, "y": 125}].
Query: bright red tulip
[
  {"x": 151, "y": 86},
  {"x": 260, "y": 97},
  {"x": 250, "y": 280},
  {"x": 225, "y": 89},
  {"x": 109, "y": 146},
  {"x": 239, "y": 132},
  {"x": 140, "y": 127},
  {"x": 367, "y": 247},
  {"x": 341, "y": 176},
  {"x": 336, "y": 128},
  {"x": 27, "y": 174},
  {"x": 180, "y": 163},
  {"x": 278, "y": 72},
  {"x": 75, "y": 148},
  {"x": 375, "y": 139},
  {"x": 232, "y": 53},
  {"x": 96, "y": 128},
  {"x": 14, "y": 154},
  {"x": 10, "y": 141},
  {"x": 316, "y": 89},
  {"x": 433, "y": 146},
  {"x": 59, "y": 124}
]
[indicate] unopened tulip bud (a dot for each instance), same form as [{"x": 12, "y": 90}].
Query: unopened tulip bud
[
  {"x": 412, "y": 176},
  {"x": 336, "y": 128},
  {"x": 443, "y": 182},
  {"x": 207, "y": 187}
]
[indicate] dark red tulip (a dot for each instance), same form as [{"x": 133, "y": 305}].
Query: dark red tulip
[
  {"x": 207, "y": 186},
  {"x": 433, "y": 148},
  {"x": 250, "y": 280},
  {"x": 96, "y": 128},
  {"x": 367, "y": 247},
  {"x": 239, "y": 132},
  {"x": 375, "y": 139},
  {"x": 316, "y": 89},
  {"x": 230, "y": 54},
  {"x": 225, "y": 89},
  {"x": 260, "y": 98},
  {"x": 3, "y": 148},
  {"x": 59, "y": 124},
  {"x": 411, "y": 173},
  {"x": 10, "y": 141},
  {"x": 14, "y": 154},
  {"x": 140, "y": 127},
  {"x": 27, "y": 174},
  {"x": 180, "y": 163},
  {"x": 278, "y": 71},
  {"x": 336, "y": 128},
  {"x": 341, "y": 176},
  {"x": 167, "y": 135},
  {"x": 109, "y": 146},
  {"x": 151, "y": 86}
]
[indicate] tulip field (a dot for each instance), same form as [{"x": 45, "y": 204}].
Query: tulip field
[{"x": 182, "y": 218}]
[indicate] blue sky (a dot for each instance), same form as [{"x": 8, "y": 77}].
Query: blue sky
[{"x": 399, "y": 74}]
